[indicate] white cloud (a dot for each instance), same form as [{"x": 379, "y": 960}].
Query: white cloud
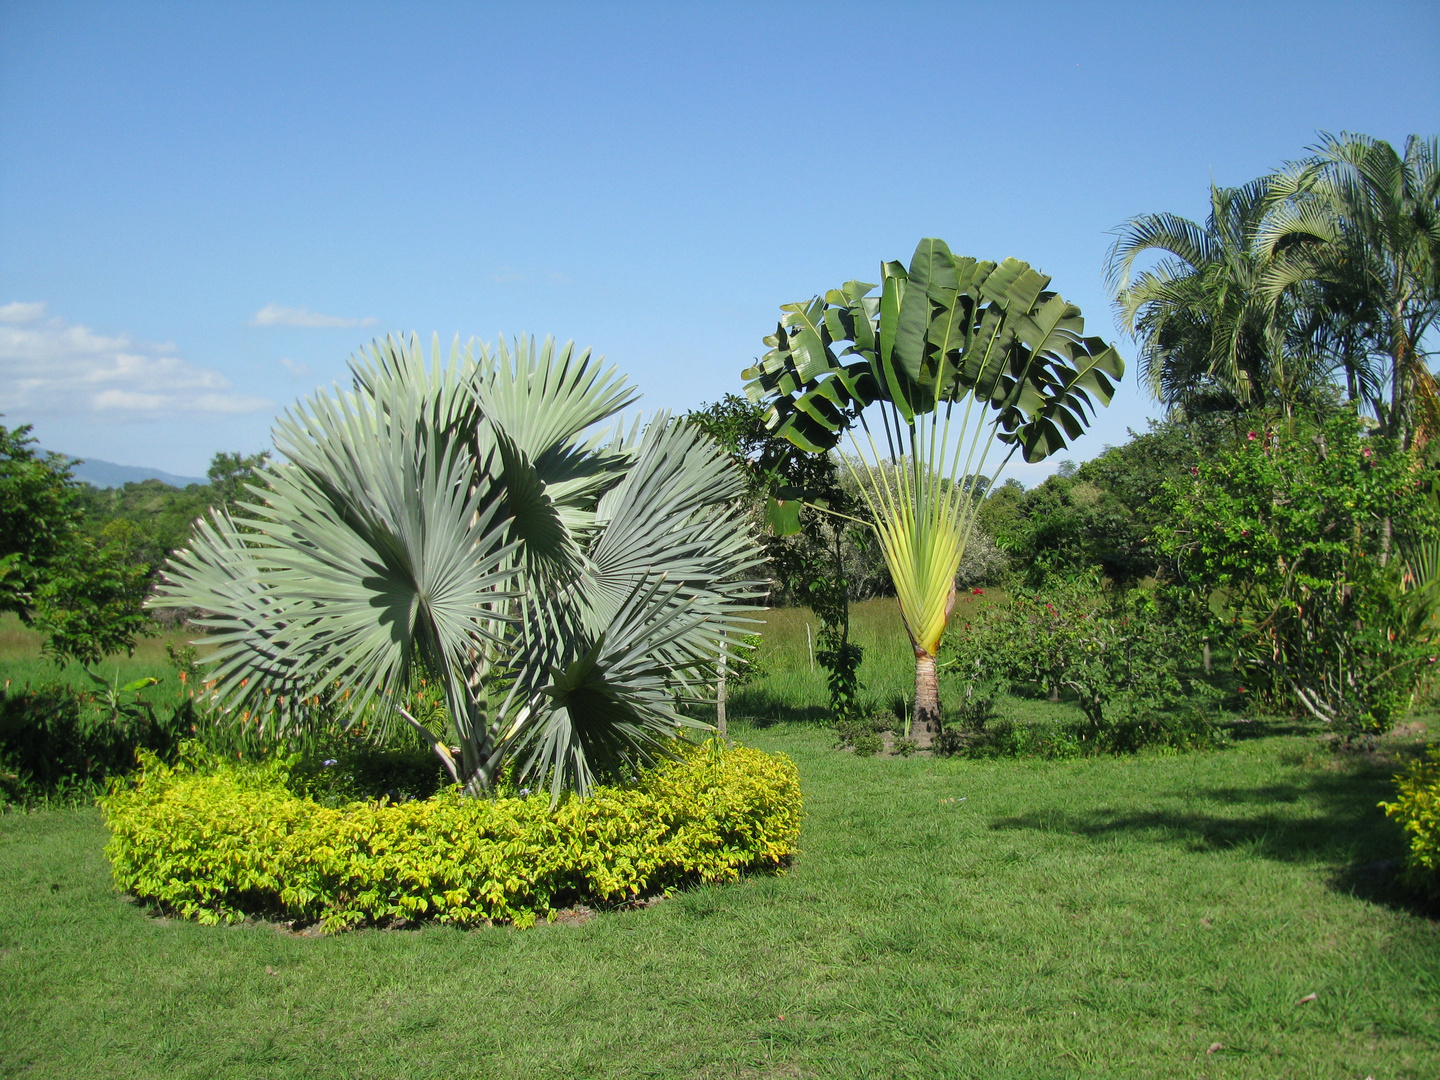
[
  {"x": 49, "y": 366},
  {"x": 21, "y": 313},
  {"x": 297, "y": 370},
  {"x": 277, "y": 315}
]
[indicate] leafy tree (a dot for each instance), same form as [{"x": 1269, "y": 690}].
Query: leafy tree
[
  {"x": 807, "y": 554},
  {"x": 1285, "y": 533},
  {"x": 38, "y": 518},
  {"x": 776, "y": 477},
  {"x": 230, "y": 472},
  {"x": 460, "y": 521},
  {"x": 161, "y": 515},
  {"x": 83, "y": 594},
  {"x": 1102, "y": 513},
  {"x": 950, "y": 331}
]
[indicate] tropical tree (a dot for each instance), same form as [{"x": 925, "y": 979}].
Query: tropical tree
[
  {"x": 951, "y": 331},
  {"x": 462, "y": 521},
  {"x": 1210, "y": 337},
  {"x": 1359, "y": 225},
  {"x": 83, "y": 593}
]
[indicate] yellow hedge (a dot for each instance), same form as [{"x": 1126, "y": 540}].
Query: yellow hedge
[
  {"x": 215, "y": 842},
  {"x": 1417, "y": 808}
]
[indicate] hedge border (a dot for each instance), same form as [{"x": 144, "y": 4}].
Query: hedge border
[{"x": 218, "y": 841}]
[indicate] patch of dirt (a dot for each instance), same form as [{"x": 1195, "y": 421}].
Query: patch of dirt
[{"x": 573, "y": 916}]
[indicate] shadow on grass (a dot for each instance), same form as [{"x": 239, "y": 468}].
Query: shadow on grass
[
  {"x": 761, "y": 708},
  {"x": 1328, "y": 816}
]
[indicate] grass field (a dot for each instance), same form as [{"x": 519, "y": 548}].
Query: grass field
[
  {"x": 794, "y": 687},
  {"x": 21, "y": 661},
  {"x": 1154, "y": 916}
]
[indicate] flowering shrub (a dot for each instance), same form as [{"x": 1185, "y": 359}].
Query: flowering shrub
[
  {"x": 215, "y": 841},
  {"x": 1417, "y": 808},
  {"x": 1295, "y": 534}
]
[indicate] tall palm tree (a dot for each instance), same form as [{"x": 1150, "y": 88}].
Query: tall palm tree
[
  {"x": 1210, "y": 338},
  {"x": 461, "y": 520},
  {"x": 1360, "y": 223},
  {"x": 957, "y": 361}
]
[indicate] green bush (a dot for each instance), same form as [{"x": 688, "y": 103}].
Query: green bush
[
  {"x": 1418, "y": 809},
  {"x": 61, "y": 744},
  {"x": 1290, "y": 533},
  {"x": 1125, "y": 662},
  {"x": 215, "y": 841}
]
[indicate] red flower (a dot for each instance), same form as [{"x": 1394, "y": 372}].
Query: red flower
[{"x": 977, "y": 592}]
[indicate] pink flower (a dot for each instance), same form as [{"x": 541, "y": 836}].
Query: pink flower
[{"x": 1251, "y": 436}]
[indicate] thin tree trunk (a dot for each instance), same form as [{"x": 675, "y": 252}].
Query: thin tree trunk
[
  {"x": 720, "y": 696},
  {"x": 927, "y": 700},
  {"x": 1207, "y": 656}
]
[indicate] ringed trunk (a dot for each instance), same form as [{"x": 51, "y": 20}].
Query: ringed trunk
[{"x": 926, "y": 723}]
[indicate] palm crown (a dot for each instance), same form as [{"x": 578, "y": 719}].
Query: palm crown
[{"x": 463, "y": 519}]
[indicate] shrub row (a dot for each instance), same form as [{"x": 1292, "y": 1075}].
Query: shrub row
[
  {"x": 215, "y": 841},
  {"x": 1417, "y": 808}
]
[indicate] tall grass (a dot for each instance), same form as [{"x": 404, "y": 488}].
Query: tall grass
[
  {"x": 22, "y": 662},
  {"x": 792, "y": 685}
]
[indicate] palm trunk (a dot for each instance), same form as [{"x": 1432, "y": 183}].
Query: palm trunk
[{"x": 927, "y": 700}]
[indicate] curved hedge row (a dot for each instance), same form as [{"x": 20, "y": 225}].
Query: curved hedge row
[{"x": 216, "y": 841}]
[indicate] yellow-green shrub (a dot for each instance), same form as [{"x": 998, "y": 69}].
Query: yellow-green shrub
[
  {"x": 215, "y": 842},
  {"x": 1418, "y": 809}
]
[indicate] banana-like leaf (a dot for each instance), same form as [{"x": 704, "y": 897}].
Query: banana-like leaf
[
  {"x": 950, "y": 333},
  {"x": 948, "y": 328}
]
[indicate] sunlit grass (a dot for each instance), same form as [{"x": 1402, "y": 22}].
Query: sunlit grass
[
  {"x": 21, "y": 660},
  {"x": 793, "y": 686},
  {"x": 1107, "y": 917},
  {"x": 1149, "y": 916}
]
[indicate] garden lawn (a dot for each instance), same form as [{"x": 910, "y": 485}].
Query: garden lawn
[{"x": 1142, "y": 917}]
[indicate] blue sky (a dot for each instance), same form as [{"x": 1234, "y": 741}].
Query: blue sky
[{"x": 205, "y": 209}]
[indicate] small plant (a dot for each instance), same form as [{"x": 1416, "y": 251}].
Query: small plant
[
  {"x": 864, "y": 737},
  {"x": 1417, "y": 808},
  {"x": 867, "y": 745}
]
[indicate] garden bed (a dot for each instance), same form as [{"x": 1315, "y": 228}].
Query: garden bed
[{"x": 218, "y": 842}]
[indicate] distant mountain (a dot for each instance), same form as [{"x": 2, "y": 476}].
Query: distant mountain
[{"x": 106, "y": 474}]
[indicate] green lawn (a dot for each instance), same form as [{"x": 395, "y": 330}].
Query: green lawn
[
  {"x": 947, "y": 918},
  {"x": 1105, "y": 917}
]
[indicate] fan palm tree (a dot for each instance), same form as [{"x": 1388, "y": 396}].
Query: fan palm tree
[
  {"x": 1210, "y": 337},
  {"x": 460, "y": 520},
  {"x": 1361, "y": 223},
  {"x": 963, "y": 361}
]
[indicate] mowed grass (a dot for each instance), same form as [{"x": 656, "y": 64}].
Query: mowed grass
[
  {"x": 1104, "y": 917},
  {"x": 1155, "y": 916}
]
